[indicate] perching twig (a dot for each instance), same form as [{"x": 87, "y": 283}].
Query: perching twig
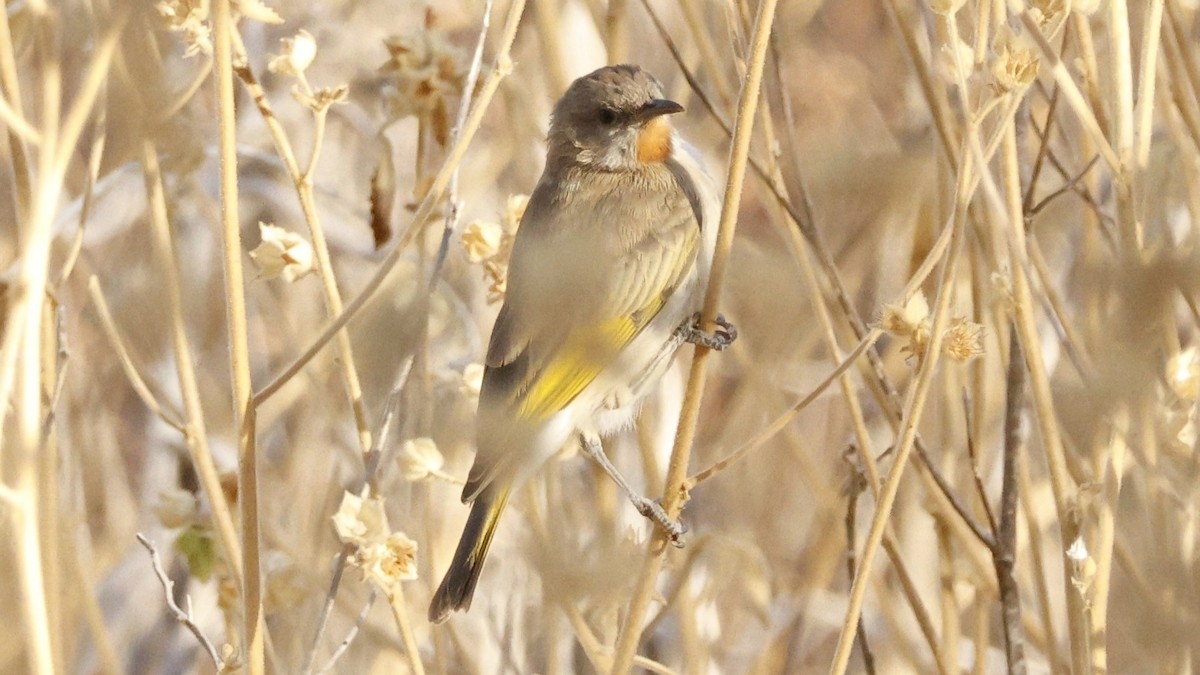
[
  {"x": 673, "y": 494},
  {"x": 182, "y": 616}
]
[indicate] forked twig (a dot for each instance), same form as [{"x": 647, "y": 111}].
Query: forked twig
[{"x": 181, "y": 615}]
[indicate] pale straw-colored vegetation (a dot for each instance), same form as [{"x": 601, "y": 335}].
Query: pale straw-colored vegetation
[{"x": 250, "y": 253}]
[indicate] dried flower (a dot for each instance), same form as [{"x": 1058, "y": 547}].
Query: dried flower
[
  {"x": 255, "y": 10},
  {"x": 472, "y": 379},
  {"x": 1077, "y": 551},
  {"x": 514, "y": 210},
  {"x": 497, "y": 278},
  {"x": 321, "y": 99},
  {"x": 964, "y": 339},
  {"x": 383, "y": 556},
  {"x": 424, "y": 70},
  {"x": 297, "y": 55},
  {"x": 389, "y": 562},
  {"x": 1048, "y": 13},
  {"x": 420, "y": 459},
  {"x": 1016, "y": 62},
  {"x": 282, "y": 254},
  {"x": 481, "y": 239},
  {"x": 1083, "y": 568},
  {"x": 360, "y": 521},
  {"x": 903, "y": 320},
  {"x": 189, "y": 17},
  {"x": 910, "y": 321},
  {"x": 491, "y": 244}
]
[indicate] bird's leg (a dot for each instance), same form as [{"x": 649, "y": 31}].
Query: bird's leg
[
  {"x": 649, "y": 508},
  {"x": 718, "y": 340}
]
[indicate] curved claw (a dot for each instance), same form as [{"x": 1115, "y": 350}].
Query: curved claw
[
  {"x": 673, "y": 529},
  {"x": 718, "y": 340}
]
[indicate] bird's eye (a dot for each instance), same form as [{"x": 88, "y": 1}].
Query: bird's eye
[{"x": 608, "y": 116}]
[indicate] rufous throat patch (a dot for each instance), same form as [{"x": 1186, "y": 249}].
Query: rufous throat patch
[{"x": 654, "y": 141}]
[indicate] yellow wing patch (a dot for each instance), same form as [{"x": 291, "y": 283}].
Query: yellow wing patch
[{"x": 586, "y": 352}]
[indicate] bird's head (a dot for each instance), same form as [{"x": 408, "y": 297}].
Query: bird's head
[{"x": 613, "y": 119}]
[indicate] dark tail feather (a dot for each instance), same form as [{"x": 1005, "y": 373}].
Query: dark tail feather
[{"x": 459, "y": 583}]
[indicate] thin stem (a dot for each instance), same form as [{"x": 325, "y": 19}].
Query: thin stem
[
  {"x": 253, "y": 639},
  {"x": 1004, "y": 554},
  {"x": 783, "y": 420},
  {"x": 460, "y": 120},
  {"x": 196, "y": 433},
  {"x": 858, "y": 484},
  {"x": 183, "y": 616},
  {"x": 395, "y": 596},
  {"x": 674, "y": 491},
  {"x": 353, "y": 633},
  {"x": 303, "y": 183},
  {"x": 170, "y": 417}
]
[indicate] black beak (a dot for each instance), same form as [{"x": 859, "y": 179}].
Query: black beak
[{"x": 656, "y": 107}]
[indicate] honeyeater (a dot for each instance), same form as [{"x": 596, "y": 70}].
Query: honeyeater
[{"x": 607, "y": 273}]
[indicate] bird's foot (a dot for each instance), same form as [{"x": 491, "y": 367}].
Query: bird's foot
[
  {"x": 653, "y": 510},
  {"x": 717, "y": 340}
]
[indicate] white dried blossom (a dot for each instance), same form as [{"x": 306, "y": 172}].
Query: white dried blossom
[
  {"x": 360, "y": 521},
  {"x": 423, "y": 71},
  {"x": 910, "y": 321},
  {"x": 420, "y": 459},
  {"x": 514, "y": 210},
  {"x": 255, "y": 10},
  {"x": 472, "y": 379},
  {"x": 903, "y": 320},
  {"x": 1046, "y": 13},
  {"x": 481, "y": 240},
  {"x": 384, "y": 557},
  {"x": 1016, "y": 61},
  {"x": 189, "y": 17},
  {"x": 1083, "y": 568},
  {"x": 297, "y": 54},
  {"x": 282, "y": 254},
  {"x": 496, "y": 274},
  {"x": 964, "y": 340},
  {"x": 389, "y": 562},
  {"x": 321, "y": 99},
  {"x": 1077, "y": 551}
]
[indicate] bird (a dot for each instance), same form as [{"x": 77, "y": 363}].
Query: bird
[{"x": 606, "y": 277}]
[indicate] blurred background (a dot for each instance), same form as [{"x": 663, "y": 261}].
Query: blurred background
[{"x": 1079, "y": 236}]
